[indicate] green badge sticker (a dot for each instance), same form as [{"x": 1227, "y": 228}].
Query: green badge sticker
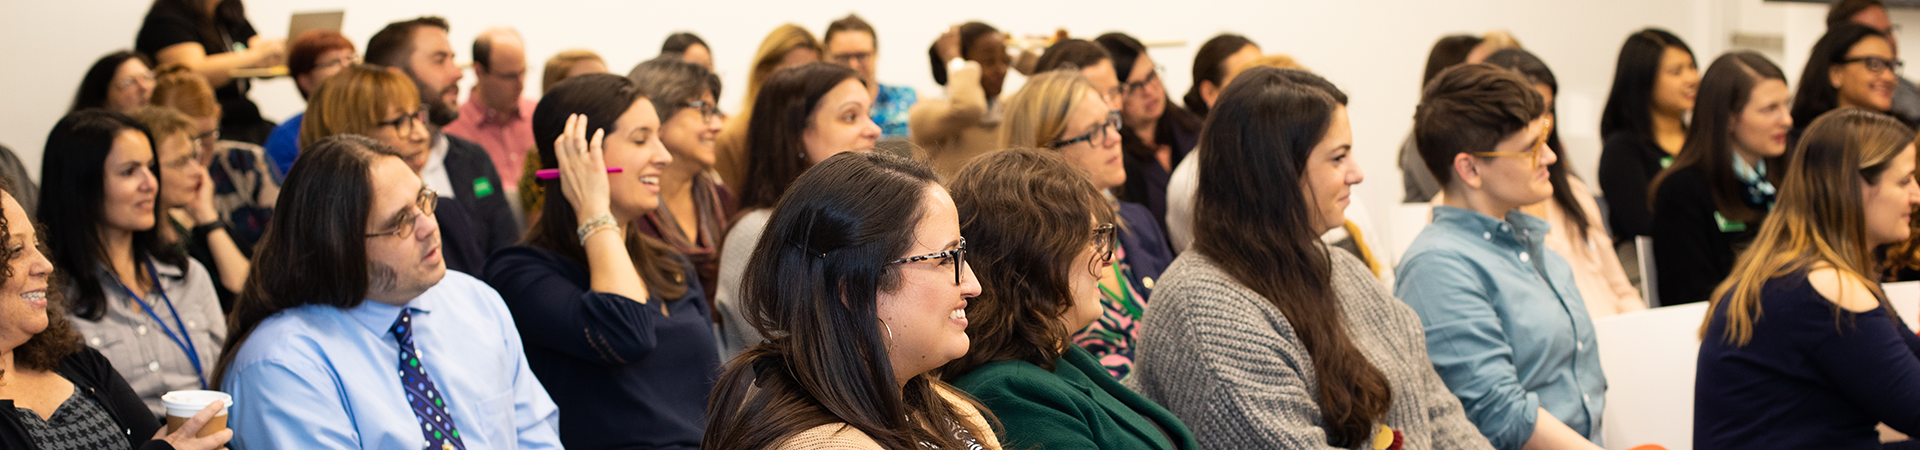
[
  {"x": 1666, "y": 161},
  {"x": 1727, "y": 226},
  {"x": 482, "y": 188}
]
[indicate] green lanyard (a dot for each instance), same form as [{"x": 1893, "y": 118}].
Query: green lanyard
[{"x": 1125, "y": 297}]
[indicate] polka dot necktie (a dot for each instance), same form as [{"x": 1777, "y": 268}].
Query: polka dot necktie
[{"x": 428, "y": 405}]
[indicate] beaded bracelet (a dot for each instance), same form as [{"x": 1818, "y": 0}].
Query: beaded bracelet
[{"x": 592, "y": 226}]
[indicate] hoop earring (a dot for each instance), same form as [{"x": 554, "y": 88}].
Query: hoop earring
[{"x": 883, "y": 323}]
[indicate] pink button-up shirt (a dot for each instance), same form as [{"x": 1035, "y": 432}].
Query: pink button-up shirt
[{"x": 505, "y": 136}]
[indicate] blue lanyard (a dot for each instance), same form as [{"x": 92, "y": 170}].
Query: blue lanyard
[{"x": 182, "y": 339}]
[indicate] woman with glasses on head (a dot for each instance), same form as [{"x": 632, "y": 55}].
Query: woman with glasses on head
[
  {"x": 1800, "y": 348},
  {"x": 815, "y": 111},
  {"x": 693, "y": 212},
  {"x": 860, "y": 284},
  {"x": 1155, "y": 134},
  {"x": 372, "y": 101},
  {"x": 1261, "y": 314},
  {"x": 1061, "y": 111},
  {"x": 614, "y": 320},
  {"x": 151, "y": 310},
  {"x": 1045, "y": 240},
  {"x": 1852, "y": 66},
  {"x": 1508, "y": 331},
  {"x": 1709, "y": 206},
  {"x": 122, "y": 82}
]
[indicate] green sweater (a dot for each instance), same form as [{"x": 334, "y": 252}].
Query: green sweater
[{"x": 1076, "y": 406}]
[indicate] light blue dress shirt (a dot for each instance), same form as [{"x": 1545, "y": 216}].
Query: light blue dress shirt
[
  {"x": 1506, "y": 327},
  {"x": 324, "y": 377}
]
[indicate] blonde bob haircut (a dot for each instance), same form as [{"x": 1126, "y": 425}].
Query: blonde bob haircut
[
  {"x": 1036, "y": 116},
  {"x": 1817, "y": 218},
  {"x": 355, "y": 101}
]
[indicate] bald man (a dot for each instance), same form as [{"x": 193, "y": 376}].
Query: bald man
[{"x": 495, "y": 115}]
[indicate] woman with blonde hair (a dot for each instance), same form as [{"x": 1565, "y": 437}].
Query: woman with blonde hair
[
  {"x": 382, "y": 104},
  {"x": 1063, "y": 112},
  {"x": 1800, "y": 348},
  {"x": 787, "y": 46}
]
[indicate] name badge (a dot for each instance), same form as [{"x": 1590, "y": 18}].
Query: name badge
[
  {"x": 1666, "y": 161},
  {"x": 482, "y": 188},
  {"x": 1728, "y": 226}
]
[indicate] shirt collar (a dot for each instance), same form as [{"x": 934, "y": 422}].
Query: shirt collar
[
  {"x": 1524, "y": 227},
  {"x": 379, "y": 317},
  {"x": 477, "y": 109}
]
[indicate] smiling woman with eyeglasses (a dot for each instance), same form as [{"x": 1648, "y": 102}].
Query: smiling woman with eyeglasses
[
  {"x": 1852, "y": 66},
  {"x": 694, "y": 207},
  {"x": 1062, "y": 111},
  {"x": 1045, "y": 257}
]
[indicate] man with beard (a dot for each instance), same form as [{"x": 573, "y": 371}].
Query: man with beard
[
  {"x": 458, "y": 168},
  {"x": 368, "y": 341}
]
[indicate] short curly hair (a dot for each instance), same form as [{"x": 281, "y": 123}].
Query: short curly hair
[{"x": 43, "y": 351}]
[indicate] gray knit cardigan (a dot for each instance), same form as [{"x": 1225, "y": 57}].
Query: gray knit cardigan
[{"x": 1227, "y": 362}]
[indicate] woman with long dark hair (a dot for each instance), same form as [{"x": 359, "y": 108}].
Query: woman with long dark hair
[
  {"x": 1155, "y": 134},
  {"x": 614, "y": 320},
  {"x": 1313, "y": 347},
  {"x": 1710, "y": 204},
  {"x": 1643, "y": 124},
  {"x": 1046, "y": 245},
  {"x": 860, "y": 284},
  {"x": 1211, "y": 64},
  {"x": 815, "y": 111},
  {"x": 1852, "y": 66},
  {"x": 149, "y": 308},
  {"x": 121, "y": 81},
  {"x": 213, "y": 37},
  {"x": 1800, "y": 348}
]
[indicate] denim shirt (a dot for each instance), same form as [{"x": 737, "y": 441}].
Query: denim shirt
[
  {"x": 1506, "y": 328},
  {"x": 890, "y": 109}
]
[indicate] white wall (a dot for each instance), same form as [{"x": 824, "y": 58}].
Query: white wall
[{"x": 1373, "y": 49}]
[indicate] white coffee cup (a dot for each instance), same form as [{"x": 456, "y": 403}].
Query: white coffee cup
[{"x": 183, "y": 405}]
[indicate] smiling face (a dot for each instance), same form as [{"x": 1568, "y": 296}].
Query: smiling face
[
  {"x": 689, "y": 135},
  {"x": 924, "y": 316},
  {"x": 131, "y": 87},
  {"x": 1099, "y": 156},
  {"x": 1859, "y": 84},
  {"x": 180, "y": 166},
  {"x": 400, "y": 267},
  {"x": 1677, "y": 83},
  {"x": 840, "y": 123},
  {"x": 991, "y": 52},
  {"x": 1331, "y": 173},
  {"x": 1889, "y": 203},
  {"x": 23, "y": 299},
  {"x": 407, "y": 134},
  {"x": 634, "y": 146},
  {"x": 1760, "y": 129},
  {"x": 131, "y": 187}
]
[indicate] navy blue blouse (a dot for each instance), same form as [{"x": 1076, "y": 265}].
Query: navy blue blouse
[
  {"x": 1813, "y": 376},
  {"x": 623, "y": 374}
]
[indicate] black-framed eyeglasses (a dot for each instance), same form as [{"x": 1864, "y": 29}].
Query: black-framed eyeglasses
[
  {"x": 1877, "y": 64},
  {"x": 1112, "y": 123},
  {"x": 425, "y": 203},
  {"x": 1136, "y": 86},
  {"x": 708, "y": 110},
  {"x": 403, "y": 124},
  {"x": 1106, "y": 238},
  {"x": 957, "y": 256}
]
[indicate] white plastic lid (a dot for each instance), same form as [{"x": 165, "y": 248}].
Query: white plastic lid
[{"x": 188, "y": 403}]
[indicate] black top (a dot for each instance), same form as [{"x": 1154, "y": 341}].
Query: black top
[
  {"x": 166, "y": 25},
  {"x": 95, "y": 378},
  {"x": 1814, "y": 376},
  {"x": 477, "y": 185},
  {"x": 1694, "y": 246},
  {"x": 626, "y": 375},
  {"x": 1146, "y": 179},
  {"x": 1627, "y": 164},
  {"x": 1147, "y": 252},
  {"x": 459, "y": 245}
]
